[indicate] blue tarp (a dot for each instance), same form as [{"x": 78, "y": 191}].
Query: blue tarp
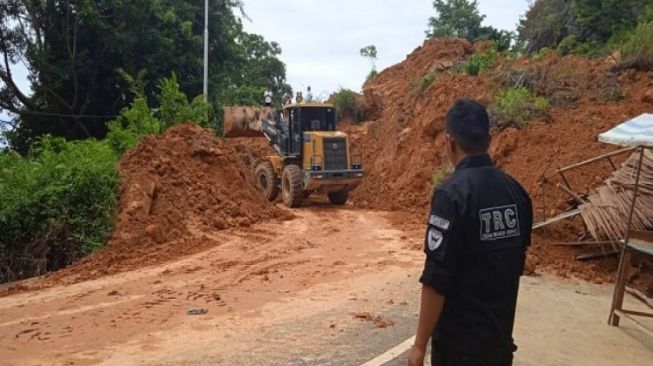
[{"x": 636, "y": 132}]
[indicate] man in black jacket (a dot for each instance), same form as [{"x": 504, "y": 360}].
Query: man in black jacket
[{"x": 476, "y": 240}]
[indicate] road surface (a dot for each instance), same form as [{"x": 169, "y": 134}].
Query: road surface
[{"x": 332, "y": 287}]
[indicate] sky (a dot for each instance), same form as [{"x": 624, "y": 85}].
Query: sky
[{"x": 321, "y": 40}]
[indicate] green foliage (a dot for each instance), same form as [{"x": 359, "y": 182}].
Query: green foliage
[
  {"x": 134, "y": 123},
  {"x": 462, "y": 19},
  {"x": 567, "y": 45},
  {"x": 480, "y": 62},
  {"x": 441, "y": 174},
  {"x": 589, "y": 27},
  {"x": 78, "y": 52},
  {"x": 639, "y": 48},
  {"x": 174, "y": 106},
  {"x": 137, "y": 120},
  {"x": 544, "y": 25},
  {"x": 55, "y": 205},
  {"x": 348, "y": 105},
  {"x": 373, "y": 73},
  {"x": 370, "y": 53},
  {"x": 425, "y": 81},
  {"x": 541, "y": 54},
  {"x": 455, "y": 18},
  {"x": 516, "y": 106}
]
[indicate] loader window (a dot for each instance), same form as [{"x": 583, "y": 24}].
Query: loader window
[{"x": 318, "y": 119}]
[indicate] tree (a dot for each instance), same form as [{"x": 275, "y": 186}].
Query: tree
[
  {"x": 461, "y": 18},
  {"x": 73, "y": 50},
  {"x": 571, "y": 24},
  {"x": 545, "y": 24},
  {"x": 599, "y": 20},
  {"x": 456, "y": 18},
  {"x": 370, "y": 53}
]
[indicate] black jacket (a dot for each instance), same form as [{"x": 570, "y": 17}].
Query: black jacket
[{"x": 475, "y": 245}]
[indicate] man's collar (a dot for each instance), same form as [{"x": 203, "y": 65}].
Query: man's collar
[{"x": 475, "y": 161}]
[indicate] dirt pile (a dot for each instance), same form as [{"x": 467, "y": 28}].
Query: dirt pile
[
  {"x": 403, "y": 147},
  {"x": 178, "y": 191},
  {"x": 244, "y": 121}
]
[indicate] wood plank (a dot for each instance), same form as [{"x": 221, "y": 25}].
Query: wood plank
[
  {"x": 640, "y": 296},
  {"x": 598, "y": 158},
  {"x": 595, "y": 255},
  {"x": 566, "y": 215},
  {"x": 582, "y": 243},
  {"x": 639, "y": 325}
]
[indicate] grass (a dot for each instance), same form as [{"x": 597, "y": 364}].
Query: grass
[
  {"x": 425, "y": 81},
  {"x": 514, "y": 107}
]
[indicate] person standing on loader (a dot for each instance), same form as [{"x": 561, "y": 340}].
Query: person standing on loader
[
  {"x": 476, "y": 240},
  {"x": 309, "y": 95},
  {"x": 287, "y": 99},
  {"x": 267, "y": 97}
]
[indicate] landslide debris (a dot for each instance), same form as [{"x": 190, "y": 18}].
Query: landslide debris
[
  {"x": 403, "y": 144},
  {"x": 178, "y": 191}
]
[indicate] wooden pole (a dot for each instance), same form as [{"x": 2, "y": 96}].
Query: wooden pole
[
  {"x": 595, "y": 159},
  {"x": 620, "y": 287},
  {"x": 572, "y": 194}
]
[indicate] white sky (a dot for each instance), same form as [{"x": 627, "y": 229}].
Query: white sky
[{"x": 321, "y": 39}]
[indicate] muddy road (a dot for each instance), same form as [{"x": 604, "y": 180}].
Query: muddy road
[{"x": 331, "y": 287}]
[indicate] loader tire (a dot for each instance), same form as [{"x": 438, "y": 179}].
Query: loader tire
[
  {"x": 291, "y": 186},
  {"x": 267, "y": 180},
  {"x": 338, "y": 198}
]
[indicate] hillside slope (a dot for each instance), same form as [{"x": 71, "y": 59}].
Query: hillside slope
[{"x": 403, "y": 145}]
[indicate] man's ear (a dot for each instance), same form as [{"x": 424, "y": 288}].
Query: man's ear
[{"x": 453, "y": 146}]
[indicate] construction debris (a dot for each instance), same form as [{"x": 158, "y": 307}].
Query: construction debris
[{"x": 607, "y": 210}]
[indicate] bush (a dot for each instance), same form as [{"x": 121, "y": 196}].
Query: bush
[
  {"x": 348, "y": 105},
  {"x": 541, "y": 54},
  {"x": 137, "y": 120},
  {"x": 56, "y": 205},
  {"x": 515, "y": 107},
  {"x": 481, "y": 62},
  {"x": 371, "y": 76},
  {"x": 174, "y": 106},
  {"x": 567, "y": 45},
  {"x": 639, "y": 48},
  {"x": 425, "y": 81},
  {"x": 133, "y": 124}
]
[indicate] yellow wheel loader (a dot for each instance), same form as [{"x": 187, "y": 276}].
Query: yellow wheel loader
[{"x": 312, "y": 157}]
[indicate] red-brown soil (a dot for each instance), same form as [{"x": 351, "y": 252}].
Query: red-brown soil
[
  {"x": 403, "y": 147},
  {"x": 178, "y": 191}
]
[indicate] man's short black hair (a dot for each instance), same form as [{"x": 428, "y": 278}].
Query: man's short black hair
[{"x": 469, "y": 124}]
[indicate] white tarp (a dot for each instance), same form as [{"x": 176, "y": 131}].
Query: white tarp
[{"x": 636, "y": 132}]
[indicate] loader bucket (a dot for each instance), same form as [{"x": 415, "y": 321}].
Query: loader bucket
[{"x": 244, "y": 121}]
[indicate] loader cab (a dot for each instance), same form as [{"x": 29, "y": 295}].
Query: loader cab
[{"x": 311, "y": 117}]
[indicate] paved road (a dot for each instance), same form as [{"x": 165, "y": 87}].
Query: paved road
[{"x": 295, "y": 294}]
